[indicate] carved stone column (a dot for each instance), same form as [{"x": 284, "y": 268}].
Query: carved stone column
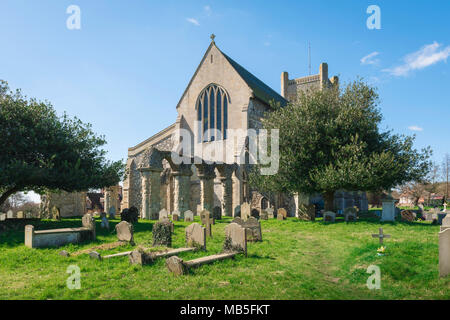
[
  {"x": 151, "y": 184},
  {"x": 226, "y": 173},
  {"x": 206, "y": 175},
  {"x": 182, "y": 188}
]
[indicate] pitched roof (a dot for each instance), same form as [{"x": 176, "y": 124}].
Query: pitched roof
[
  {"x": 259, "y": 88},
  {"x": 261, "y": 91}
]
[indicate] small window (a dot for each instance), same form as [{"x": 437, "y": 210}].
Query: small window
[{"x": 212, "y": 59}]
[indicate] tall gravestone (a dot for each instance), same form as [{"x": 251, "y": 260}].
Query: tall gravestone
[
  {"x": 245, "y": 211},
  {"x": 196, "y": 236},
  {"x": 125, "y": 232},
  {"x": 217, "y": 213},
  {"x": 235, "y": 238},
  {"x": 388, "y": 212},
  {"x": 444, "y": 253},
  {"x": 270, "y": 214}
]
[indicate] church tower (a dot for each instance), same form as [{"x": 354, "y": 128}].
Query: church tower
[{"x": 291, "y": 88}]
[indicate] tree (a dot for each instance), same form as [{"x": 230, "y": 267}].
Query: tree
[
  {"x": 41, "y": 151},
  {"x": 414, "y": 189},
  {"x": 432, "y": 182},
  {"x": 330, "y": 140},
  {"x": 446, "y": 174}
]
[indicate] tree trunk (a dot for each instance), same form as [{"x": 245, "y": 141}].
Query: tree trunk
[
  {"x": 329, "y": 200},
  {"x": 7, "y": 194}
]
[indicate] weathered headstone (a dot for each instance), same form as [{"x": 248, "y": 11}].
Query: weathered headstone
[
  {"x": 264, "y": 215},
  {"x": 350, "y": 214},
  {"x": 283, "y": 212},
  {"x": 235, "y": 238},
  {"x": 270, "y": 214},
  {"x": 2, "y": 216},
  {"x": 217, "y": 213},
  {"x": 163, "y": 214},
  {"x": 105, "y": 223},
  {"x": 88, "y": 221},
  {"x": 56, "y": 213},
  {"x": 245, "y": 211},
  {"x": 199, "y": 210},
  {"x": 125, "y": 232},
  {"x": 280, "y": 217},
  {"x": 188, "y": 216},
  {"x": 176, "y": 215},
  {"x": 255, "y": 213},
  {"x": 20, "y": 215},
  {"x": 9, "y": 214},
  {"x": 237, "y": 211},
  {"x": 196, "y": 236},
  {"x": 444, "y": 253},
  {"x": 162, "y": 233},
  {"x": 252, "y": 227},
  {"x": 329, "y": 216},
  {"x": 445, "y": 223},
  {"x": 208, "y": 221},
  {"x": 112, "y": 212},
  {"x": 381, "y": 236}
]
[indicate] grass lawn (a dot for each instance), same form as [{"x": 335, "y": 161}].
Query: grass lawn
[{"x": 296, "y": 260}]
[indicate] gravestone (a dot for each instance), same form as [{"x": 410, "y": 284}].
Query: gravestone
[
  {"x": 264, "y": 215},
  {"x": 188, "y": 216},
  {"x": 130, "y": 215},
  {"x": 196, "y": 236},
  {"x": 381, "y": 236},
  {"x": 9, "y": 214},
  {"x": 199, "y": 210},
  {"x": 56, "y": 213},
  {"x": 237, "y": 211},
  {"x": 252, "y": 227},
  {"x": 105, "y": 223},
  {"x": 444, "y": 253},
  {"x": 350, "y": 214},
  {"x": 407, "y": 215},
  {"x": 280, "y": 217},
  {"x": 388, "y": 212},
  {"x": 235, "y": 238},
  {"x": 163, "y": 214},
  {"x": 2, "y": 216},
  {"x": 167, "y": 220},
  {"x": 20, "y": 215},
  {"x": 445, "y": 207},
  {"x": 283, "y": 212},
  {"x": 445, "y": 223},
  {"x": 270, "y": 213},
  {"x": 207, "y": 221},
  {"x": 125, "y": 232},
  {"x": 217, "y": 213},
  {"x": 95, "y": 255},
  {"x": 329, "y": 216},
  {"x": 112, "y": 212},
  {"x": 176, "y": 215},
  {"x": 64, "y": 253},
  {"x": 162, "y": 233},
  {"x": 88, "y": 221},
  {"x": 245, "y": 211}
]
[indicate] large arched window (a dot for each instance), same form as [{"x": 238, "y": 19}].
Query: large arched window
[{"x": 212, "y": 113}]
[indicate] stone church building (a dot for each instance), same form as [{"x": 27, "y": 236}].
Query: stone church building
[{"x": 221, "y": 95}]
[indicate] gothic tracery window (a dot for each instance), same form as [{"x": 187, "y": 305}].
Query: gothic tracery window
[{"x": 212, "y": 113}]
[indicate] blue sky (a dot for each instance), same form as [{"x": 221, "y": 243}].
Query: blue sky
[{"x": 126, "y": 68}]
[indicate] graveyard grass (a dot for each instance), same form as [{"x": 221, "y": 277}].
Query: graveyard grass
[{"x": 296, "y": 260}]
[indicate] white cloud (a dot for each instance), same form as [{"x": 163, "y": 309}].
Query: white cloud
[
  {"x": 208, "y": 10},
  {"x": 425, "y": 57},
  {"x": 415, "y": 128},
  {"x": 370, "y": 58},
  {"x": 193, "y": 21}
]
